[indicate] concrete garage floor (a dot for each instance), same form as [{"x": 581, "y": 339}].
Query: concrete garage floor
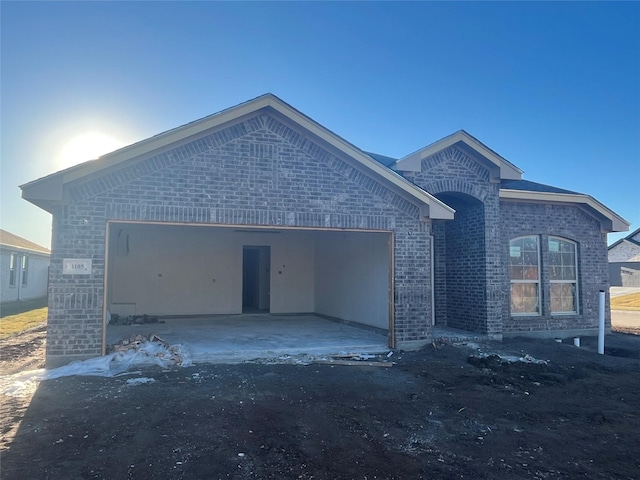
[{"x": 237, "y": 338}]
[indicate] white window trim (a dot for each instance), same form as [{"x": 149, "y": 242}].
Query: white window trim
[
  {"x": 24, "y": 270},
  {"x": 16, "y": 260},
  {"x": 572, "y": 282},
  {"x": 538, "y": 282}
]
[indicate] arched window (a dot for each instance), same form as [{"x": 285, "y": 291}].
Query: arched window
[
  {"x": 563, "y": 275},
  {"x": 524, "y": 271}
]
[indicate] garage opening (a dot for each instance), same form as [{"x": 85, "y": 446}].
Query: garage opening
[
  {"x": 304, "y": 287},
  {"x": 256, "y": 266}
]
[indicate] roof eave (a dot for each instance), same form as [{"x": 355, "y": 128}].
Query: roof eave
[
  {"x": 47, "y": 192},
  {"x": 615, "y": 223},
  {"x": 25, "y": 249}
]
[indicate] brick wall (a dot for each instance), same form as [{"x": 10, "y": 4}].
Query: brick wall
[
  {"x": 470, "y": 279},
  {"x": 520, "y": 219},
  {"x": 466, "y": 267},
  {"x": 625, "y": 251},
  {"x": 258, "y": 172}
]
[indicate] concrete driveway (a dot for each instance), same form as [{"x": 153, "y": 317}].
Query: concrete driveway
[
  {"x": 618, "y": 291},
  {"x": 622, "y": 318}
]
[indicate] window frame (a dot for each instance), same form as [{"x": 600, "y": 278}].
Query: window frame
[
  {"x": 13, "y": 262},
  {"x": 24, "y": 270},
  {"x": 537, "y": 281},
  {"x": 574, "y": 282}
]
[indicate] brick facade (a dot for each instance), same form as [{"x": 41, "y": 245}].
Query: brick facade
[
  {"x": 471, "y": 276},
  {"x": 269, "y": 168},
  {"x": 258, "y": 172},
  {"x": 469, "y": 267},
  {"x": 570, "y": 222}
]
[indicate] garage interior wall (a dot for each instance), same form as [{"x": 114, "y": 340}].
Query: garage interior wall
[
  {"x": 187, "y": 270},
  {"x": 352, "y": 277}
]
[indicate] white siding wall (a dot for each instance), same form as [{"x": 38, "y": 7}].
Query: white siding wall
[{"x": 37, "y": 275}]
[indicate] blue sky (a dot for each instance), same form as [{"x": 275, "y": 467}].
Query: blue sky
[{"x": 553, "y": 87}]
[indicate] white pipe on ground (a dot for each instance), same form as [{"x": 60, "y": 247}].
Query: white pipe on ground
[
  {"x": 576, "y": 341},
  {"x": 601, "y": 324}
]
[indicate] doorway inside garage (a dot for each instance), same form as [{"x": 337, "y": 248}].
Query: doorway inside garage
[
  {"x": 256, "y": 268},
  {"x": 215, "y": 273}
]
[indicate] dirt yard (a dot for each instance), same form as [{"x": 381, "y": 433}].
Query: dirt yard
[{"x": 444, "y": 412}]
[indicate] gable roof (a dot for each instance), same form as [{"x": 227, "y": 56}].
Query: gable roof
[
  {"x": 629, "y": 238},
  {"x": 383, "y": 159},
  {"x": 8, "y": 239},
  {"x": 633, "y": 234},
  {"x": 48, "y": 191},
  {"x": 501, "y": 167}
]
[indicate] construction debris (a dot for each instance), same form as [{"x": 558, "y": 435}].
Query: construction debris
[
  {"x": 115, "y": 319},
  {"x": 504, "y": 359},
  {"x": 139, "y": 381},
  {"x": 134, "y": 351},
  {"x": 152, "y": 346},
  {"x": 354, "y": 363},
  {"x": 352, "y": 359},
  {"x": 354, "y": 356}
]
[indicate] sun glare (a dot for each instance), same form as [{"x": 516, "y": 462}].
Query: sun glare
[{"x": 87, "y": 146}]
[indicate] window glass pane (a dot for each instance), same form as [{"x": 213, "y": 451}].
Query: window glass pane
[
  {"x": 563, "y": 298},
  {"x": 517, "y": 273},
  {"x": 531, "y": 258},
  {"x": 524, "y": 298},
  {"x": 530, "y": 244},
  {"x": 568, "y": 272},
  {"x": 530, "y": 273},
  {"x": 524, "y": 262},
  {"x": 563, "y": 260},
  {"x": 25, "y": 269},
  {"x": 13, "y": 260}
]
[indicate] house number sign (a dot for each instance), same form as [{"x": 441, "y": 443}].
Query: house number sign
[{"x": 76, "y": 266}]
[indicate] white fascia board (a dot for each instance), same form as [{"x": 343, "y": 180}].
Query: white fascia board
[
  {"x": 179, "y": 134},
  {"x": 618, "y": 224},
  {"x": 169, "y": 138},
  {"x": 14, "y": 248},
  {"x": 53, "y": 183}
]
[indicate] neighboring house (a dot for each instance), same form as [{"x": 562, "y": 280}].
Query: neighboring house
[
  {"x": 624, "y": 261},
  {"x": 24, "y": 267},
  {"x": 264, "y": 196}
]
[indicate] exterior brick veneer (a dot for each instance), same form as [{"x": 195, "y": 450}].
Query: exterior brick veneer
[
  {"x": 571, "y": 222},
  {"x": 471, "y": 275},
  {"x": 258, "y": 172},
  {"x": 470, "y": 281},
  {"x": 263, "y": 169}
]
